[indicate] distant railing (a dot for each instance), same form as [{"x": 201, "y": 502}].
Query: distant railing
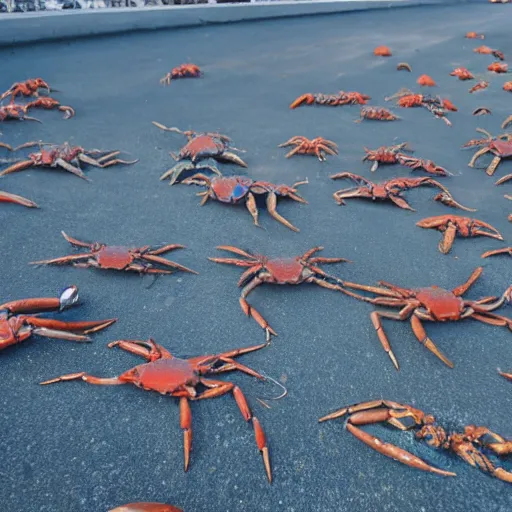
[{"x": 56, "y": 5}]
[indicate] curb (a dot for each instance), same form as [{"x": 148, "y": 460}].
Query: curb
[{"x": 16, "y": 29}]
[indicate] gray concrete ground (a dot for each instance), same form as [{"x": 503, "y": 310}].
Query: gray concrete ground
[{"x": 74, "y": 447}]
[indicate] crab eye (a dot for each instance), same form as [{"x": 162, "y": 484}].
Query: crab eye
[{"x": 239, "y": 191}]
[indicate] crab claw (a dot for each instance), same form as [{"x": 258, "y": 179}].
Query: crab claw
[
  {"x": 448, "y": 200},
  {"x": 448, "y": 105},
  {"x": 307, "y": 98},
  {"x": 69, "y": 112}
]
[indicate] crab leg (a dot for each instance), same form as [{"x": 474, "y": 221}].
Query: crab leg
[
  {"x": 468, "y": 453},
  {"x": 186, "y": 426},
  {"x": 463, "y": 288},
  {"x": 149, "y": 350},
  {"x": 231, "y": 157},
  {"x": 218, "y": 388},
  {"x": 6, "y": 197},
  {"x": 447, "y": 199},
  {"x": 100, "y": 162},
  {"x": 250, "y": 310},
  {"x": 363, "y": 406},
  {"x": 90, "y": 379},
  {"x": 252, "y": 207},
  {"x": 71, "y": 168},
  {"x": 63, "y": 260},
  {"x": 394, "y": 452},
  {"x": 85, "y": 327},
  {"x": 504, "y": 250},
  {"x": 19, "y": 166},
  {"x": 271, "y": 207},
  {"x": 446, "y": 243},
  {"x": 168, "y": 263},
  {"x": 423, "y": 338},
  {"x": 507, "y": 376}
]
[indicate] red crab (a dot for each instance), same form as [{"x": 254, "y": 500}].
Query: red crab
[
  {"x": 376, "y": 114},
  {"x": 65, "y": 157},
  {"x": 498, "y": 67},
  {"x": 474, "y": 35},
  {"x": 432, "y": 304},
  {"x": 332, "y": 100},
  {"x": 15, "y": 112},
  {"x": 50, "y": 104},
  {"x": 395, "y": 155},
  {"x": 462, "y": 74},
  {"x": 28, "y": 88},
  {"x": 453, "y": 225},
  {"x": 182, "y": 71},
  {"x": 180, "y": 378},
  {"x": 16, "y": 326},
  {"x": 382, "y": 51},
  {"x": 500, "y": 147},
  {"x": 426, "y": 81},
  {"x": 235, "y": 189},
  {"x": 469, "y": 445},
  {"x": 482, "y": 84},
  {"x": 293, "y": 271},
  {"x": 6, "y": 197},
  {"x": 485, "y": 50},
  {"x": 200, "y": 146},
  {"x": 146, "y": 507},
  {"x": 317, "y": 146},
  {"x": 141, "y": 259},
  {"x": 390, "y": 190}
]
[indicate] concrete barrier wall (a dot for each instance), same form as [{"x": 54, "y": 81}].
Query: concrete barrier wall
[{"x": 25, "y": 28}]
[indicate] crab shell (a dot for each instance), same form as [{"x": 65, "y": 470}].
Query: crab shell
[
  {"x": 202, "y": 146},
  {"x": 230, "y": 189},
  {"x": 287, "y": 271},
  {"x": 442, "y": 304}
]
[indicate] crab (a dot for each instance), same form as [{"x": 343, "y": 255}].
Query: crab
[
  {"x": 182, "y": 71},
  {"x": 145, "y": 506},
  {"x": 453, "y": 225},
  {"x": 181, "y": 378},
  {"x": 15, "y": 112},
  {"x": 16, "y": 325},
  {"x": 235, "y": 189},
  {"x": 29, "y": 87},
  {"x": 426, "y": 81},
  {"x": 462, "y": 74},
  {"x": 470, "y": 444},
  {"x": 432, "y": 304},
  {"x": 485, "y": 50},
  {"x": 376, "y": 114},
  {"x": 396, "y": 155},
  {"x": 474, "y": 35},
  {"x": 200, "y": 146},
  {"x": 6, "y": 197},
  {"x": 482, "y": 84},
  {"x": 382, "y": 51},
  {"x": 50, "y": 104},
  {"x": 317, "y": 146},
  {"x": 332, "y": 100},
  {"x": 281, "y": 271},
  {"x": 390, "y": 190},
  {"x": 64, "y": 157},
  {"x": 500, "y": 147},
  {"x": 435, "y": 105},
  {"x": 498, "y": 67},
  {"x": 111, "y": 257}
]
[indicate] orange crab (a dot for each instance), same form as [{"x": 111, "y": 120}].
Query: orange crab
[
  {"x": 469, "y": 445},
  {"x": 29, "y": 87},
  {"x": 462, "y": 74},
  {"x": 453, "y": 225},
  {"x": 474, "y": 35},
  {"x": 183, "y": 71},
  {"x": 181, "y": 378},
  {"x": 482, "y": 84},
  {"x": 382, "y": 51},
  {"x": 498, "y": 67},
  {"x": 431, "y": 304},
  {"x": 485, "y": 50},
  {"x": 426, "y": 81},
  {"x": 303, "y": 146}
]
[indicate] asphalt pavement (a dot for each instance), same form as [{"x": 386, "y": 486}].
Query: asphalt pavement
[{"x": 76, "y": 447}]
